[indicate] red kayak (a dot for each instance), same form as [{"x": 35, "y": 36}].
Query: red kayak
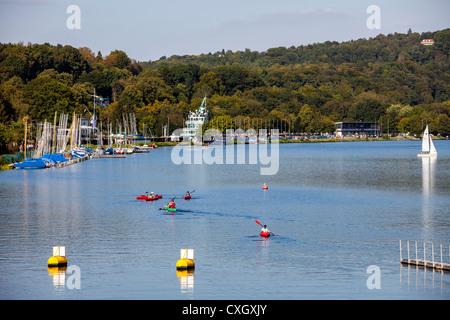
[
  {"x": 265, "y": 234},
  {"x": 187, "y": 197},
  {"x": 144, "y": 197}
]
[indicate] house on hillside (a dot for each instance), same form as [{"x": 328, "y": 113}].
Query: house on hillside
[{"x": 427, "y": 42}]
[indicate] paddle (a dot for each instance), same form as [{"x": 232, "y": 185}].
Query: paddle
[
  {"x": 166, "y": 204},
  {"x": 187, "y": 197},
  {"x": 263, "y": 226}
]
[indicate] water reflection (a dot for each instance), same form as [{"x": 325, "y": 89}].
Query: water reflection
[
  {"x": 422, "y": 278},
  {"x": 428, "y": 183},
  {"x": 428, "y": 165},
  {"x": 186, "y": 278},
  {"x": 58, "y": 275},
  {"x": 322, "y": 200}
]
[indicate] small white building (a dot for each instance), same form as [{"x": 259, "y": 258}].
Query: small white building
[
  {"x": 88, "y": 129},
  {"x": 427, "y": 42}
]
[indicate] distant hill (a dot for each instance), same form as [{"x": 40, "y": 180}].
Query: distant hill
[{"x": 390, "y": 48}]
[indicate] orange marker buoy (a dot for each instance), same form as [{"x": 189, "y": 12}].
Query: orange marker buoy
[{"x": 265, "y": 187}]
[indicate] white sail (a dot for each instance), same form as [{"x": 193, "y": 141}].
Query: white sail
[
  {"x": 432, "y": 148},
  {"x": 425, "y": 141}
]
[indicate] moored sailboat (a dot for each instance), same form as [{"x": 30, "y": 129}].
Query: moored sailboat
[{"x": 428, "y": 148}]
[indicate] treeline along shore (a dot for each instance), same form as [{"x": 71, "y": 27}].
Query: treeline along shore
[{"x": 392, "y": 79}]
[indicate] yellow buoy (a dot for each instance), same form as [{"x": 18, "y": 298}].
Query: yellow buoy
[
  {"x": 185, "y": 264},
  {"x": 58, "y": 259}
]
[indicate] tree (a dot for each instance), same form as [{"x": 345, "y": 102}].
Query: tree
[
  {"x": 103, "y": 80},
  {"x": 237, "y": 78},
  {"x": 68, "y": 59},
  {"x": 118, "y": 59},
  {"x": 442, "y": 40},
  {"x": 304, "y": 119},
  {"x": 99, "y": 57},
  {"x": 311, "y": 95},
  {"x": 210, "y": 84},
  {"x": 15, "y": 64},
  {"x": 442, "y": 125},
  {"x": 187, "y": 74},
  {"x": 150, "y": 124},
  {"x": 6, "y": 109},
  {"x": 131, "y": 98},
  {"x": 45, "y": 95},
  {"x": 153, "y": 88},
  {"x": 367, "y": 108}
]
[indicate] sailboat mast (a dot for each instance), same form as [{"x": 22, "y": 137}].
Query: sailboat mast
[
  {"x": 54, "y": 132},
  {"x": 25, "y": 142}
]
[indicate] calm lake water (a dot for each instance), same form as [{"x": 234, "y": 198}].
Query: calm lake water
[{"x": 337, "y": 208}]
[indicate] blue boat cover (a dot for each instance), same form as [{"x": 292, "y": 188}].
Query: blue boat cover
[
  {"x": 55, "y": 157},
  {"x": 32, "y": 164},
  {"x": 47, "y": 160}
]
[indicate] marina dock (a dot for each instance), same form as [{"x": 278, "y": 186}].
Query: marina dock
[
  {"x": 72, "y": 161},
  {"x": 425, "y": 255},
  {"x": 111, "y": 156}
]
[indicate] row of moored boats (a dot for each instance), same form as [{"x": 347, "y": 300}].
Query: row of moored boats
[{"x": 76, "y": 155}]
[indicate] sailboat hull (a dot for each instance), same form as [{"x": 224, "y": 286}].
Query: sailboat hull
[{"x": 426, "y": 155}]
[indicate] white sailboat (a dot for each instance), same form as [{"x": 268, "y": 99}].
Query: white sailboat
[{"x": 428, "y": 149}]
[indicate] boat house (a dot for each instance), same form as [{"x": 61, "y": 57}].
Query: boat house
[
  {"x": 349, "y": 129},
  {"x": 88, "y": 130},
  {"x": 194, "y": 122}
]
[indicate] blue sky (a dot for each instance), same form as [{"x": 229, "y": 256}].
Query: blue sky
[{"x": 147, "y": 30}]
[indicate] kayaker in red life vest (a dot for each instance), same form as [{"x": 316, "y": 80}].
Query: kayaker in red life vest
[{"x": 171, "y": 204}]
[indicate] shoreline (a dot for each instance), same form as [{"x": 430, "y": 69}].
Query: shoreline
[
  {"x": 316, "y": 140},
  {"x": 7, "y": 166}
]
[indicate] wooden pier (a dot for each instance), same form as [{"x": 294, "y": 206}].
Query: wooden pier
[
  {"x": 72, "y": 161},
  {"x": 425, "y": 255},
  {"x": 85, "y": 158},
  {"x": 118, "y": 156}
]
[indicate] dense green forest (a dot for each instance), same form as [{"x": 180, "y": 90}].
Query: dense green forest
[{"x": 392, "y": 79}]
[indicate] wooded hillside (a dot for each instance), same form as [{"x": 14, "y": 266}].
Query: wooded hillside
[{"x": 305, "y": 88}]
